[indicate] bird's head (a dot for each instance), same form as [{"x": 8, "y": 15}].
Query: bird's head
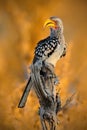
[{"x": 54, "y": 23}]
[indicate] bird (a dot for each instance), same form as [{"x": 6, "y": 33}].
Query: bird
[
  {"x": 52, "y": 48},
  {"x": 48, "y": 50}
]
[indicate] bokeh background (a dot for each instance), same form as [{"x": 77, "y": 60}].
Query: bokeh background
[{"x": 21, "y": 27}]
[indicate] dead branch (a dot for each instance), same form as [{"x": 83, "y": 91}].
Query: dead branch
[
  {"x": 43, "y": 79},
  {"x": 25, "y": 94}
]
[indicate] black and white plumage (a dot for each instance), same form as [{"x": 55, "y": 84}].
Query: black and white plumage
[
  {"x": 45, "y": 48},
  {"x": 53, "y": 47}
]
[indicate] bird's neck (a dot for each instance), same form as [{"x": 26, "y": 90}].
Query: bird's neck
[{"x": 55, "y": 33}]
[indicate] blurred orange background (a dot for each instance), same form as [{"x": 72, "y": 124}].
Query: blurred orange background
[{"x": 21, "y": 27}]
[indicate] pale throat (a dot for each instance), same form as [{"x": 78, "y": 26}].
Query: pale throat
[{"x": 55, "y": 32}]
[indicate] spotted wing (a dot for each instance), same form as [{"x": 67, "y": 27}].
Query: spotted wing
[{"x": 45, "y": 48}]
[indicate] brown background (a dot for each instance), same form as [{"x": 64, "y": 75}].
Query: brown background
[{"x": 21, "y": 27}]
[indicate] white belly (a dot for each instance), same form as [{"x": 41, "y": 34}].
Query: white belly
[{"x": 56, "y": 54}]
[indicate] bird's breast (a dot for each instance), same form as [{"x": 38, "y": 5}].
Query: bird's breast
[{"x": 55, "y": 56}]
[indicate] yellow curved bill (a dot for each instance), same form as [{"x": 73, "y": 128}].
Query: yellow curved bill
[{"x": 49, "y": 23}]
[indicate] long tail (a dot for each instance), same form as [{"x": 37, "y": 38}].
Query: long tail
[{"x": 25, "y": 94}]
